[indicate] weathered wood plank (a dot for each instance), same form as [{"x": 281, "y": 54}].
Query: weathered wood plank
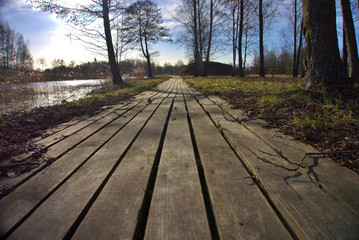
[
  {"x": 76, "y": 138},
  {"x": 116, "y": 211},
  {"x": 240, "y": 209},
  {"x": 310, "y": 212},
  {"x": 338, "y": 181},
  {"x": 58, "y": 136},
  {"x": 96, "y": 120},
  {"x": 177, "y": 208},
  {"x": 18, "y": 203},
  {"x": 57, "y": 214}
]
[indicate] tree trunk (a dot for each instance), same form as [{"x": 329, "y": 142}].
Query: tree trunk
[
  {"x": 350, "y": 40},
  {"x": 195, "y": 38},
  {"x": 345, "y": 51},
  {"x": 200, "y": 38},
  {"x": 205, "y": 71},
  {"x": 261, "y": 50},
  {"x": 299, "y": 49},
  {"x": 117, "y": 79},
  {"x": 240, "y": 36},
  {"x": 148, "y": 58},
  {"x": 235, "y": 20},
  {"x": 234, "y": 41},
  {"x": 295, "y": 72},
  {"x": 324, "y": 66},
  {"x": 245, "y": 49}
]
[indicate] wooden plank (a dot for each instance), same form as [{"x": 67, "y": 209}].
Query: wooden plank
[
  {"x": 240, "y": 209},
  {"x": 85, "y": 180},
  {"x": 72, "y": 129},
  {"x": 115, "y": 212},
  {"x": 177, "y": 208},
  {"x": 56, "y": 151},
  {"x": 113, "y": 109},
  {"x": 338, "y": 181},
  {"x": 308, "y": 210},
  {"x": 324, "y": 171},
  {"x": 18, "y": 203}
]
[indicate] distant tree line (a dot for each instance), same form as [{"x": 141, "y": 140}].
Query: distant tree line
[
  {"x": 101, "y": 69},
  {"x": 279, "y": 61},
  {"x": 14, "y": 50}
]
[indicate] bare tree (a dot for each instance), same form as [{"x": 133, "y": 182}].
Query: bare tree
[
  {"x": 324, "y": 66},
  {"x": 240, "y": 37},
  {"x": 42, "y": 62},
  {"x": 88, "y": 15},
  {"x": 250, "y": 29},
  {"x": 233, "y": 18},
  {"x": 211, "y": 16},
  {"x": 144, "y": 25},
  {"x": 201, "y": 22},
  {"x": 261, "y": 48},
  {"x": 14, "y": 50},
  {"x": 196, "y": 53},
  {"x": 351, "y": 44}
]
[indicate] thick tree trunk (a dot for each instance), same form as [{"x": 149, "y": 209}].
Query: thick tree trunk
[
  {"x": 295, "y": 72},
  {"x": 324, "y": 66},
  {"x": 261, "y": 50},
  {"x": 115, "y": 70},
  {"x": 350, "y": 40},
  {"x": 240, "y": 37},
  {"x": 205, "y": 71},
  {"x": 195, "y": 38}
]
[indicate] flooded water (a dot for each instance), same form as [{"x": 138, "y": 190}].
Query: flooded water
[{"x": 25, "y": 96}]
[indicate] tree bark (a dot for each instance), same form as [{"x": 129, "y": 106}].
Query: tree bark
[
  {"x": 200, "y": 38},
  {"x": 299, "y": 49},
  {"x": 261, "y": 49},
  {"x": 240, "y": 37},
  {"x": 235, "y": 21},
  {"x": 115, "y": 70},
  {"x": 149, "y": 67},
  {"x": 324, "y": 66},
  {"x": 195, "y": 39},
  {"x": 350, "y": 40},
  {"x": 205, "y": 71},
  {"x": 345, "y": 51},
  {"x": 295, "y": 72}
]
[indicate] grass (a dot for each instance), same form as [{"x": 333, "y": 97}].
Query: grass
[{"x": 327, "y": 122}]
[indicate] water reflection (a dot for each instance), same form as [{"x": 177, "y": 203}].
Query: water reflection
[{"x": 19, "y": 97}]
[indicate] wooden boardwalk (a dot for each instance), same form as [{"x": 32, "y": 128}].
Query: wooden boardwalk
[{"x": 173, "y": 164}]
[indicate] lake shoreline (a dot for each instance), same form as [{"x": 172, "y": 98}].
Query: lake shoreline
[{"x": 19, "y": 131}]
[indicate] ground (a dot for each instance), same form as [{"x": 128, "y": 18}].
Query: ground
[
  {"x": 18, "y": 130},
  {"x": 328, "y": 122}
]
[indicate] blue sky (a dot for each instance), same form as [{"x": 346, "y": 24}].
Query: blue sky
[{"x": 47, "y": 34}]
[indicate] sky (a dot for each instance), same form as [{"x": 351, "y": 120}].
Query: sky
[{"x": 47, "y": 34}]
